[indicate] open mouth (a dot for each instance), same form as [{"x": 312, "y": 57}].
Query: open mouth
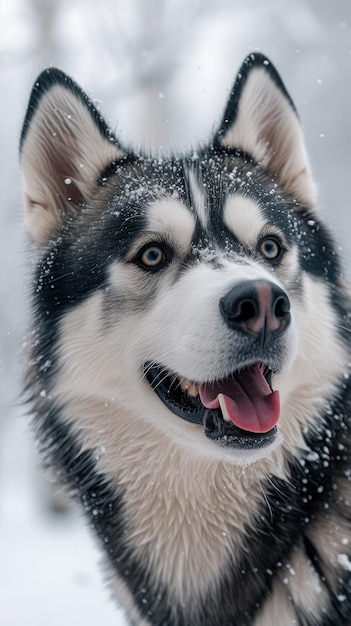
[{"x": 240, "y": 411}]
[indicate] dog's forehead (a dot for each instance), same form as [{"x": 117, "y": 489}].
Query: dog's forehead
[
  {"x": 208, "y": 192},
  {"x": 242, "y": 216},
  {"x": 208, "y": 197}
]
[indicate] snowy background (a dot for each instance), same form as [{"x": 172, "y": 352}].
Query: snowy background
[{"x": 160, "y": 70}]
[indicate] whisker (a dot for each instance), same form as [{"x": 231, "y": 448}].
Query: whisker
[
  {"x": 276, "y": 488},
  {"x": 147, "y": 369},
  {"x": 53, "y": 280},
  {"x": 344, "y": 327},
  {"x": 264, "y": 494},
  {"x": 162, "y": 377}
]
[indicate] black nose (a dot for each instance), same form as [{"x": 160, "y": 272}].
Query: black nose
[{"x": 256, "y": 307}]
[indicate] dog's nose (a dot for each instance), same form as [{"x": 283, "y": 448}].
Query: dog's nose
[{"x": 256, "y": 307}]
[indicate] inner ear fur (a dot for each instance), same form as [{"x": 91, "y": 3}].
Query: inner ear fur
[
  {"x": 261, "y": 119},
  {"x": 65, "y": 144}
]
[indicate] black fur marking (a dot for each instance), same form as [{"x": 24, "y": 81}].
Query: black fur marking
[{"x": 115, "y": 167}]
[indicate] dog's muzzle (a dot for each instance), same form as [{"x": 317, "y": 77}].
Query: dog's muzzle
[{"x": 240, "y": 410}]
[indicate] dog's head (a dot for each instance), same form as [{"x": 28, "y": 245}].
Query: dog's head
[{"x": 184, "y": 293}]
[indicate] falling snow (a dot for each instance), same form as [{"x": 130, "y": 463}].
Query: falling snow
[{"x": 52, "y": 561}]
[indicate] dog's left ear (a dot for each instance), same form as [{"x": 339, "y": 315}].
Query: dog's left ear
[{"x": 261, "y": 119}]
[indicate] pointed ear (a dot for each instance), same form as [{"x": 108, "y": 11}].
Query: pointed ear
[
  {"x": 65, "y": 145},
  {"x": 261, "y": 120}
]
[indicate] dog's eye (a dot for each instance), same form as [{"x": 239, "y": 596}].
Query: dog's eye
[
  {"x": 270, "y": 248},
  {"x": 153, "y": 256}
]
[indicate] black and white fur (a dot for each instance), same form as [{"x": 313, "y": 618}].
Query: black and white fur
[{"x": 133, "y": 261}]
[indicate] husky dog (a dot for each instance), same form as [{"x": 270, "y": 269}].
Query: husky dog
[{"x": 188, "y": 359}]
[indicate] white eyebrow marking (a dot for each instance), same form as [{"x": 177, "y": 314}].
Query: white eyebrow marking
[
  {"x": 243, "y": 217},
  {"x": 173, "y": 219}
]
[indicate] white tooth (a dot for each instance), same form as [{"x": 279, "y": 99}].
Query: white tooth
[
  {"x": 189, "y": 387},
  {"x": 193, "y": 390},
  {"x": 184, "y": 384},
  {"x": 223, "y": 408}
]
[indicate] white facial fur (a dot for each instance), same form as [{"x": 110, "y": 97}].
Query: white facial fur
[{"x": 183, "y": 331}]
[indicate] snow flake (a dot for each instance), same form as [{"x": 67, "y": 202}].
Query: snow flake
[{"x": 344, "y": 561}]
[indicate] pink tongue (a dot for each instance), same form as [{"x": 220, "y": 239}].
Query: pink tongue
[{"x": 250, "y": 403}]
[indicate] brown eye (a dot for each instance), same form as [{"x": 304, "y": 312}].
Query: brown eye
[
  {"x": 152, "y": 256},
  {"x": 270, "y": 248}
]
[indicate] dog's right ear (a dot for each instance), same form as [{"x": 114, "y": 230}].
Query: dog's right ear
[
  {"x": 65, "y": 145},
  {"x": 261, "y": 120}
]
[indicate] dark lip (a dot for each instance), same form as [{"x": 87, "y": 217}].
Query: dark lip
[{"x": 166, "y": 386}]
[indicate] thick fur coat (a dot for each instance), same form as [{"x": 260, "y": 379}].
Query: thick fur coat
[{"x": 188, "y": 359}]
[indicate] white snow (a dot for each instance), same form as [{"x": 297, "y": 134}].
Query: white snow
[
  {"x": 344, "y": 561},
  {"x": 49, "y": 572}
]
